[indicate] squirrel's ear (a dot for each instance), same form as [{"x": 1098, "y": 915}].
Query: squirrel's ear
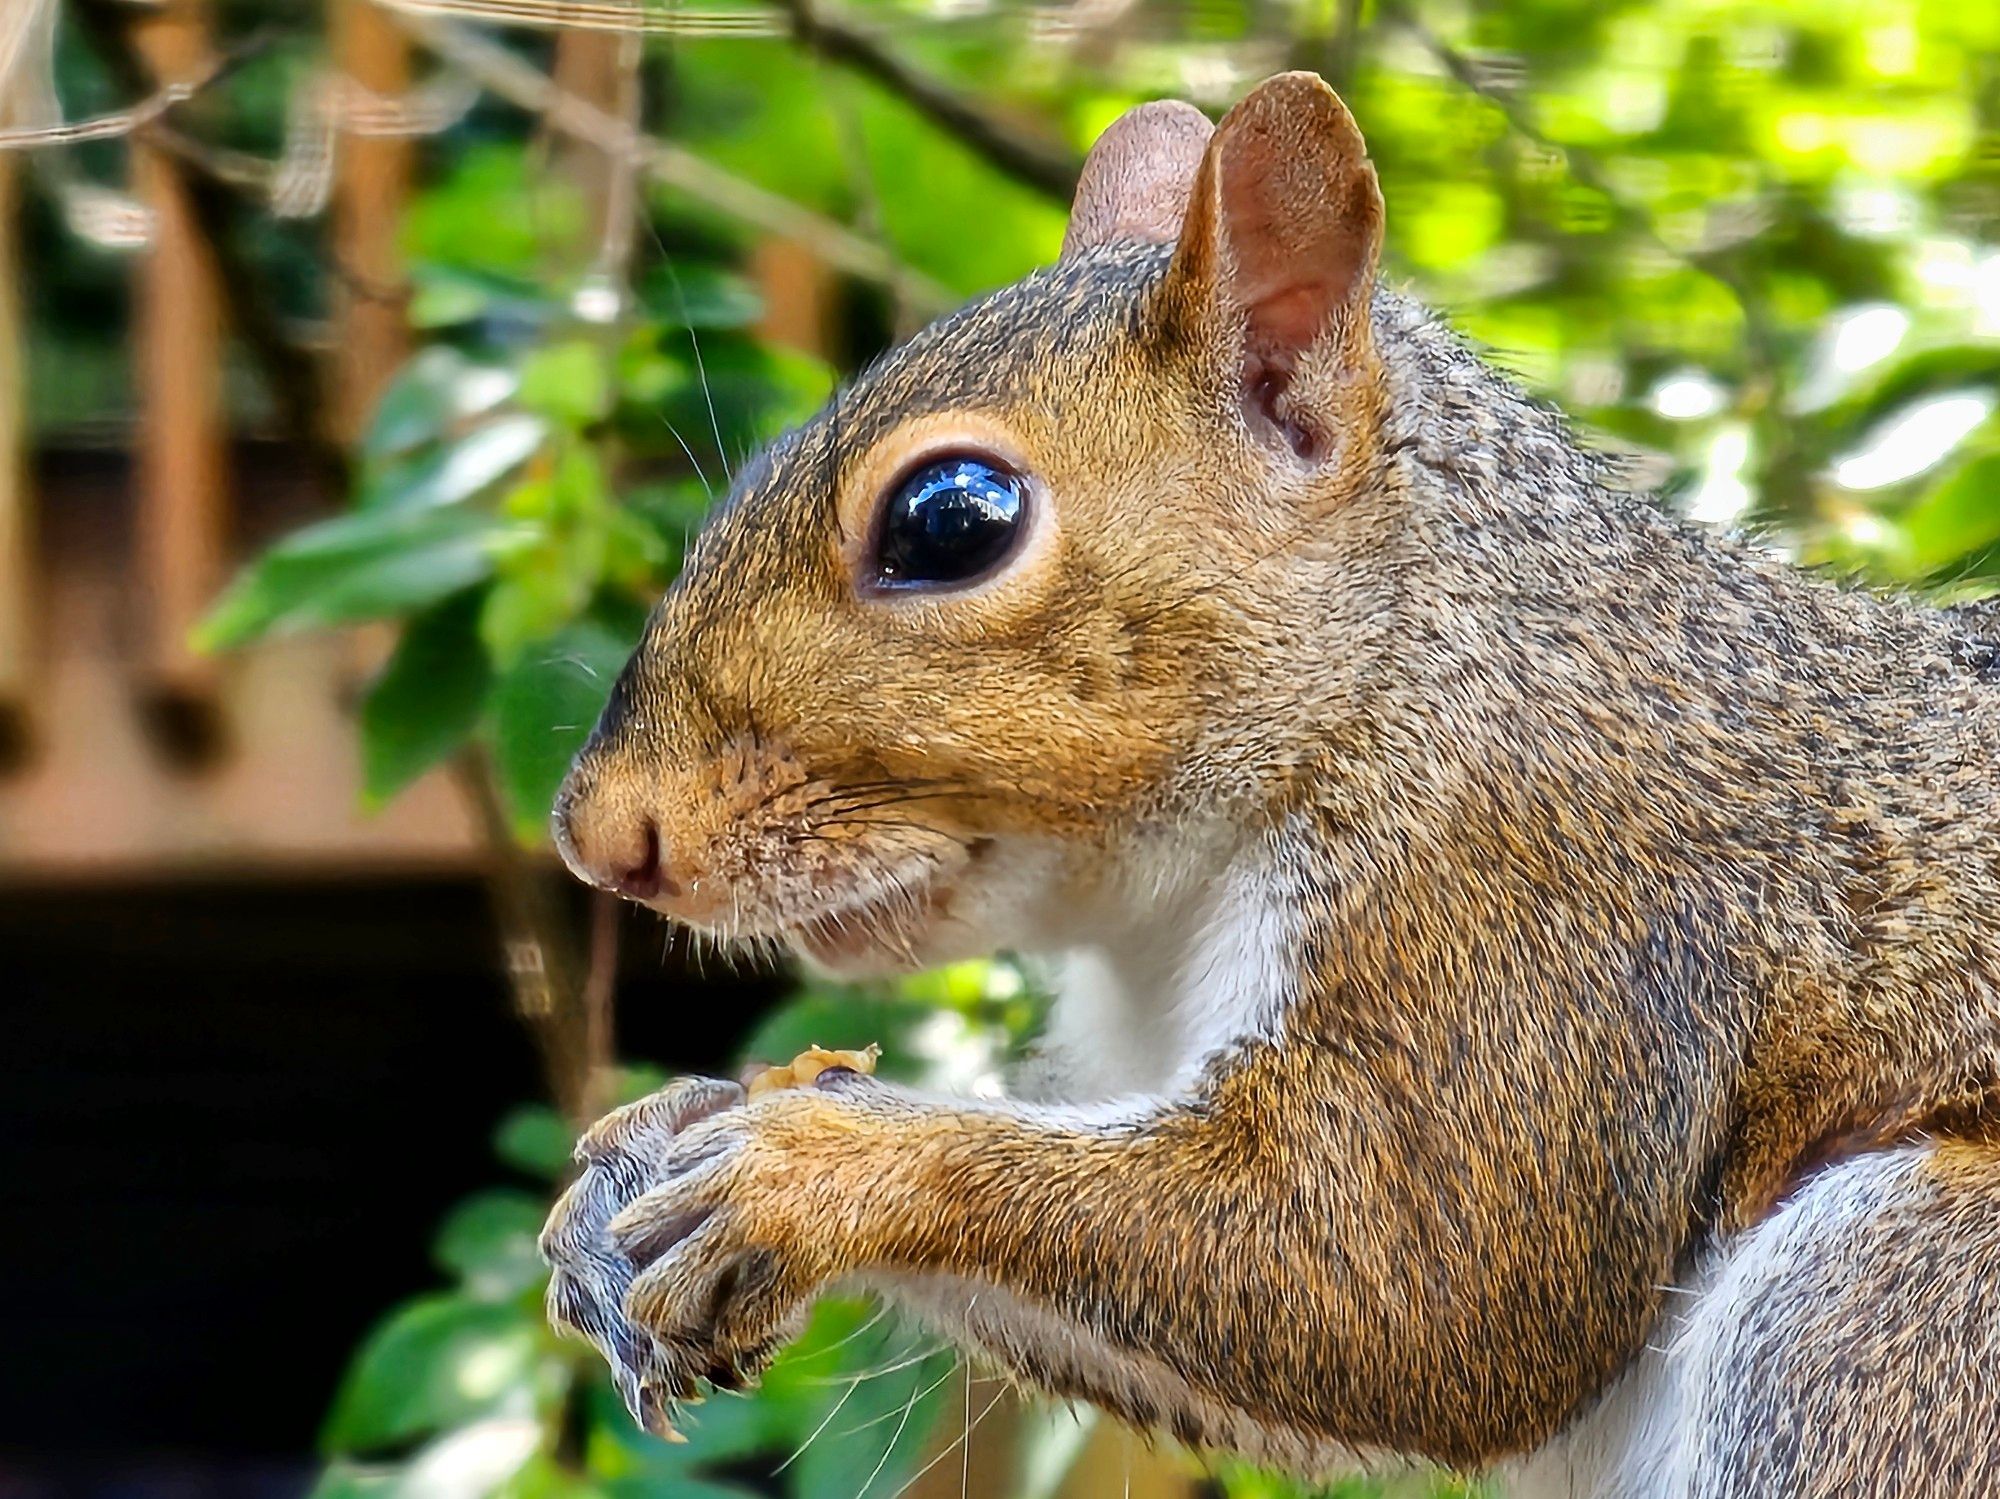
[
  {"x": 1136, "y": 180},
  {"x": 1283, "y": 232}
]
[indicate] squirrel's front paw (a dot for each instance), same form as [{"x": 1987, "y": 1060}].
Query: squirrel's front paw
[
  {"x": 730, "y": 1247},
  {"x": 691, "y": 1247},
  {"x": 622, "y": 1156}
]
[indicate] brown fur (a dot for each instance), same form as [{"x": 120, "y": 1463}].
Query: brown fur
[{"x": 1646, "y": 876}]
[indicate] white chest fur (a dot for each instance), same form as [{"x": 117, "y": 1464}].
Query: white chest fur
[{"x": 1212, "y": 961}]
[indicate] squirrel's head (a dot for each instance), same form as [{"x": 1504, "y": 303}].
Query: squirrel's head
[{"x": 963, "y": 660}]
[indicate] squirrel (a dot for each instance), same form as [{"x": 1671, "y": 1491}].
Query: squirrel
[{"x": 1526, "y": 970}]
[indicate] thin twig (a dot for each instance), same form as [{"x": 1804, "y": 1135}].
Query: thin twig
[
  {"x": 499, "y": 71},
  {"x": 103, "y": 127},
  {"x": 539, "y": 953},
  {"x": 621, "y": 19},
  {"x": 1037, "y": 163}
]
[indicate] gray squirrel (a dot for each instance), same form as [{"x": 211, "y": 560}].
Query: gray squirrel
[{"x": 1526, "y": 968}]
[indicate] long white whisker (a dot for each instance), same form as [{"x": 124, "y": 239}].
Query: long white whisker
[
  {"x": 874, "y": 1321},
  {"x": 919, "y": 1396},
  {"x": 892, "y": 1368},
  {"x": 825, "y": 1421},
  {"x": 699, "y": 472},
  {"x": 894, "y": 1437},
  {"x": 700, "y": 366},
  {"x": 999, "y": 1395}
]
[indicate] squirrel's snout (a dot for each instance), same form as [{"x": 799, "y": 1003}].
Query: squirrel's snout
[{"x": 612, "y": 846}]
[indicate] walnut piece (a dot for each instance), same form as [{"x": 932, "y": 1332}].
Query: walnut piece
[{"x": 804, "y": 1069}]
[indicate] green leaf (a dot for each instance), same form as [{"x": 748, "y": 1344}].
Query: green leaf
[
  {"x": 499, "y": 1457},
  {"x": 543, "y": 710},
  {"x": 627, "y": 1461},
  {"x": 1958, "y": 518},
  {"x": 1904, "y": 380},
  {"x": 445, "y": 301},
  {"x": 346, "y": 1480},
  {"x": 496, "y": 211},
  {"x": 354, "y": 567},
  {"x": 699, "y": 296},
  {"x": 549, "y": 579},
  {"x": 438, "y": 388},
  {"x": 456, "y": 470},
  {"x": 435, "y": 1362},
  {"x": 427, "y": 701},
  {"x": 535, "y": 1139},
  {"x": 679, "y": 1486},
  {"x": 567, "y": 382},
  {"x": 449, "y": 296},
  {"x": 488, "y": 1242}
]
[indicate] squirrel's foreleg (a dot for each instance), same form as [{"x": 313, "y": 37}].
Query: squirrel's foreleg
[{"x": 1140, "y": 1257}]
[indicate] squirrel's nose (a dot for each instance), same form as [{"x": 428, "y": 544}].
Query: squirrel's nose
[{"x": 612, "y": 847}]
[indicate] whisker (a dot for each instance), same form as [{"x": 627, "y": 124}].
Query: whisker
[
  {"x": 890, "y": 1368},
  {"x": 886, "y": 1415},
  {"x": 699, "y": 472},
  {"x": 965, "y": 1440},
  {"x": 825, "y": 1421},
  {"x": 894, "y": 1437}
]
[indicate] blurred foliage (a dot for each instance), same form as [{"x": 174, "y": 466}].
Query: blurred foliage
[
  {"x": 1755, "y": 241},
  {"x": 466, "y": 1391}
]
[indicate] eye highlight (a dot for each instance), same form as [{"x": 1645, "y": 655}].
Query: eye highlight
[{"x": 949, "y": 520}]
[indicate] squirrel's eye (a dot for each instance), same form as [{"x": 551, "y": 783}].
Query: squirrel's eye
[{"x": 949, "y": 521}]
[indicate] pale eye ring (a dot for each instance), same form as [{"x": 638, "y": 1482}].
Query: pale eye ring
[{"x": 948, "y": 521}]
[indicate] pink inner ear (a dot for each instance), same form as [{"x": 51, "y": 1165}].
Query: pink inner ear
[
  {"x": 1299, "y": 218},
  {"x": 1299, "y": 258},
  {"x": 1290, "y": 319}
]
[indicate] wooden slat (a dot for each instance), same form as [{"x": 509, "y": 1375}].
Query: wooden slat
[
  {"x": 97, "y": 801},
  {"x": 183, "y": 428},
  {"x": 371, "y": 186},
  {"x": 16, "y": 582}
]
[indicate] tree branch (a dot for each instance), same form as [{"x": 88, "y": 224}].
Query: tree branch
[{"x": 1038, "y": 164}]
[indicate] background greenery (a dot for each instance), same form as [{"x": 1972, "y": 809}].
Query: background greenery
[{"x": 1756, "y": 242}]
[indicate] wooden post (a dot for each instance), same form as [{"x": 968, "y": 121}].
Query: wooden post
[
  {"x": 601, "y": 67},
  {"x": 797, "y": 291},
  {"x": 183, "y": 456},
  {"x": 371, "y": 185},
  {"x": 16, "y": 640}
]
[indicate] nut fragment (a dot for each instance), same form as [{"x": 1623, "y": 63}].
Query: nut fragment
[{"x": 804, "y": 1069}]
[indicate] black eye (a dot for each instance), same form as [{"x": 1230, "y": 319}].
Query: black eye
[{"x": 949, "y": 521}]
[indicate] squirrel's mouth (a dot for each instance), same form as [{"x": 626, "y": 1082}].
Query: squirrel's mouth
[
  {"x": 884, "y": 926},
  {"x": 888, "y": 926}
]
